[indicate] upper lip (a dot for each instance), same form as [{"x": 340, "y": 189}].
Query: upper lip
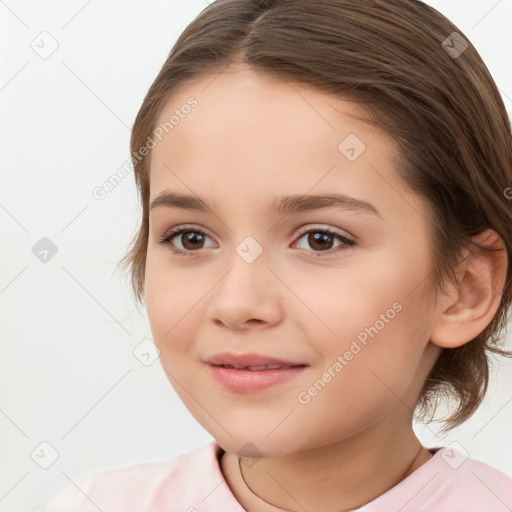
[{"x": 248, "y": 359}]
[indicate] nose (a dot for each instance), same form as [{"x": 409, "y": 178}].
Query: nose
[{"x": 249, "y": 295}]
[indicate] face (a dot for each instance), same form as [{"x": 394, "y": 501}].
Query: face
[{"x": 341, "y": 287}]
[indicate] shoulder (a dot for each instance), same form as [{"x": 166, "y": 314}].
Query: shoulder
[
  {"x": 148, "y": 486},
  {"x": 476, "y": 484},
  {"x": 451, "y": 481}
]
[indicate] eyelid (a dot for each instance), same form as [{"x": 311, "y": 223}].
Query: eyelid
[
  {"x": 180, "y": 228},
  {"x": 327, "y": 228},
  {"x": 347, "y": 241},
  {"x": 301, "y": 231}
]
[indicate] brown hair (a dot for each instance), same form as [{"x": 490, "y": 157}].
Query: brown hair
[{"x": 443, "y": 109}]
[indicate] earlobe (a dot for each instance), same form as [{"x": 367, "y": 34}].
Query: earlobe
[{"x": 468, "y": 308}]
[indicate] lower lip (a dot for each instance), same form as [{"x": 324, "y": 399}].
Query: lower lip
[{"x": 248, "y": 380}]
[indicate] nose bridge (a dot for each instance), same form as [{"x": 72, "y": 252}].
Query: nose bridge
[
  {"x": 248, "y": 289},
  {"x": 247, "y": 268},
  {"x": 250, "y": 250}
]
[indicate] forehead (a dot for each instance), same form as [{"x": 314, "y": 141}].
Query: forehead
[
  {"x": 251, "y": 135},
  {"x": 258, "y": 112}
]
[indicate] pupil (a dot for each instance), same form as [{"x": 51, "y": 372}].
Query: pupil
[
  {"x": 192, "y": 237},
  {"x": 319, "y": 238}
]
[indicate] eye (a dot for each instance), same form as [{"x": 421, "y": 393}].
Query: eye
[
  {"x": 190, "y": 239},
  {"x": 322, "y": 239}
]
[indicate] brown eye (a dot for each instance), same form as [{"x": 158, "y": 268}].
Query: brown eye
[
  {"x": 321, "y": 241},
  {"x": 191, "y": 240},
  {"x": 186, "y": 241}
]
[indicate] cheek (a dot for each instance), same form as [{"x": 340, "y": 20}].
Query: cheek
[
  {"x": 368, "y": 371},
  {"x": 374, "y": 318},
  {"x": 172, "y": 300},
  {"x": 346, "y": 300}
]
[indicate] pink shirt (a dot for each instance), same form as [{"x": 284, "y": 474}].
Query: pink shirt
[{"x": 193, "y": 482}]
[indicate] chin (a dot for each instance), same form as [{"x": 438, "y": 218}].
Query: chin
[{"x": 255, "y": 446}]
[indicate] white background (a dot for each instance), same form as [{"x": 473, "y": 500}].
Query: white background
[{"x": 68, "y": 375}]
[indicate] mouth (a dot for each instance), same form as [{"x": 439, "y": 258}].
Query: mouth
[
  {"x": 250, "y": 379},
  {"x": 260, "y": 367},
  {"x": 250, "y": 360},
  {"x": 250, "y": 372}
]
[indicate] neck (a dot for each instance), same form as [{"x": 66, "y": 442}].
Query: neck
[{"x": 340, "y": 476}]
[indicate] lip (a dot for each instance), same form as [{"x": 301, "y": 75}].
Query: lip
[
  {"x": 249, "y": 359},
  {"x": 247, "y": 381}
]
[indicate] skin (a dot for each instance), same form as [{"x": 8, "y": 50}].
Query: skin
[{"x": 250, "y": 140}]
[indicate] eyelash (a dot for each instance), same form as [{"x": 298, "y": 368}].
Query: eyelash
[{"x": 167, "y": 238}]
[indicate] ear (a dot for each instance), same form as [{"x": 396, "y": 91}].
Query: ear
[{"x": 468, "y": 308}]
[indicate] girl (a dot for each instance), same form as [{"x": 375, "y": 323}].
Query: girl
[{"x": 324, "y": 250}]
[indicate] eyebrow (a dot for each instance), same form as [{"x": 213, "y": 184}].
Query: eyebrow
[{"x": 280, "y": 206}]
